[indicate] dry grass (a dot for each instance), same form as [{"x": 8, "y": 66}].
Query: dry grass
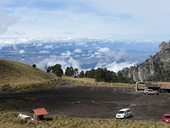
[
  {"x": 18, "y": 74},
  {"x": 28, "y": 85},
  {"x": 92, "y": 82},
  {"x": 10, "y": 120}
]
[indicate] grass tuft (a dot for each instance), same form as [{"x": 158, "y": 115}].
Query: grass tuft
[{"x": 10, "y": 120}]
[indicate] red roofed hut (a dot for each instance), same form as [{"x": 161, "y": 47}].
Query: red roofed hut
[{"x": 39, "y": 113}]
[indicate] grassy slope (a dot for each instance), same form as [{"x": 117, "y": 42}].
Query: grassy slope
[
  {"x": 15, "y": 73},
  {"x": 22, "y": 76},
  {"x": 10, "y": 120},
  {"x": 92, "y": 82}
]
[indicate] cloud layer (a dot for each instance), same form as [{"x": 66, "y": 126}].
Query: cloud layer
[
  {"x": 128, "y": 19},
  {"x": 86, "y": 55}
]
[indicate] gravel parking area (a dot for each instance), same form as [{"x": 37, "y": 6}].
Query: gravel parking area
[{"x": 93, "y": 102}]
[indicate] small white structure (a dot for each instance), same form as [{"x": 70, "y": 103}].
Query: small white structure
[{"x": 22, "y": 116}]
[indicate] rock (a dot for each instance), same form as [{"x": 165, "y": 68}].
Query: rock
[{"x": 156, "y": 68}]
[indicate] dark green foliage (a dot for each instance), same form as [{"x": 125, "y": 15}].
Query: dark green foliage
[
  {"x": 121, "y": 79},
  {"x": 76, "y": 72},
  {"x": 34, "y": 66},
  {"x": 56, "y": 69},
  {"x": 69, "y": 71},
  {"x": 81, "y": 75},
  {"x": 49, "y": 69},
  {"x": 90, "y": 74},
  {"x": 99, "y": 75},
  {"x": 110, "y": 76},
  {"x": 105, "y": 75}
]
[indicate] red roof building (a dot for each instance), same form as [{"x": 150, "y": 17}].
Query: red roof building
[{"x": 39, "y": 113}]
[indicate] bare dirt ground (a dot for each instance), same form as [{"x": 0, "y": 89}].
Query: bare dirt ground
[{"x": 93, "y": 102}]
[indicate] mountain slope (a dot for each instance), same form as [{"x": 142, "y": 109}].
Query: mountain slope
[
  {"x": 12, "y": 72},
  {"x": 156, "y": 68}
]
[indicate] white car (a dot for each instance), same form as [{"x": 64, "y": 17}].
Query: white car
[
  {"x": 150, "y": 92},
  {"x": 124, "y": 113}
]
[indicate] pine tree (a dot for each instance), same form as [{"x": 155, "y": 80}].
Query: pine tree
[{"x": 56, "y": 69}]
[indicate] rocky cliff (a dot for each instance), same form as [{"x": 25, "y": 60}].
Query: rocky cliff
[{"x": 156, "y": 68}]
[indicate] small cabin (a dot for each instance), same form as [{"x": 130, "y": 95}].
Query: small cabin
[{"x": 39, "y": 113}]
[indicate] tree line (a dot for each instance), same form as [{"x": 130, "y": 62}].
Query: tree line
[{"x": 99, "y": 74}]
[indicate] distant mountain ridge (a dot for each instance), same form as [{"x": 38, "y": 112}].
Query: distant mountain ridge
[{"x": 155, "y": 68}]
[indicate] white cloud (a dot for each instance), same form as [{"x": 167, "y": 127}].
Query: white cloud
[
  {"x": 91, "y": 18},
  {"x": 105, "y": 50},
  {"x": 74, "y": 63},
  {"x": 48, "y": 46},
  {"x": 14, "y": 41},
  {"x": 44, "y": 51},
  {"x": 7, "y": 20},
  {"x": 114, "y": 66},
  {"x": 77, "y": 51},
  {"x": 83, "y": 55},
  {"x": 52, "y": 60},
  {"x": 66, "y": 54},
  {"x": 118, "y": 66},
  {"x": 108, "y": 55},
  {"x": 38, "y": 44},
  {"x": 21, "y": 51},
  {"x": 107, "y": 58}
]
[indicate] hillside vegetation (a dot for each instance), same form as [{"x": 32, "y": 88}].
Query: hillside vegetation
[
  {"x": 91, "y": 82},
  {"x": 10, "y": 120},
  {"x": 19, "y": 75},
  {"x": 15, "y": 73}
]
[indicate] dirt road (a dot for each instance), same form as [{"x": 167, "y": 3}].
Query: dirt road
[{"x": 93, "y": 102}]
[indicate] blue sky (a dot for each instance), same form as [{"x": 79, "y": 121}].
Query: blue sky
[{"x": 123, "y": 19}]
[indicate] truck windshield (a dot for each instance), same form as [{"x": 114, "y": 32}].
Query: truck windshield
[
  {"x": 167, "y": 116},
  {"x": 120, "y": 112}
]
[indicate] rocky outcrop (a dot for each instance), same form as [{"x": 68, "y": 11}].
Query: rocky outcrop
[{"x": 156, "y": 68}]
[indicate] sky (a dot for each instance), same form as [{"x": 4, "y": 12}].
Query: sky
[{"x": 117, "y": 19}]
